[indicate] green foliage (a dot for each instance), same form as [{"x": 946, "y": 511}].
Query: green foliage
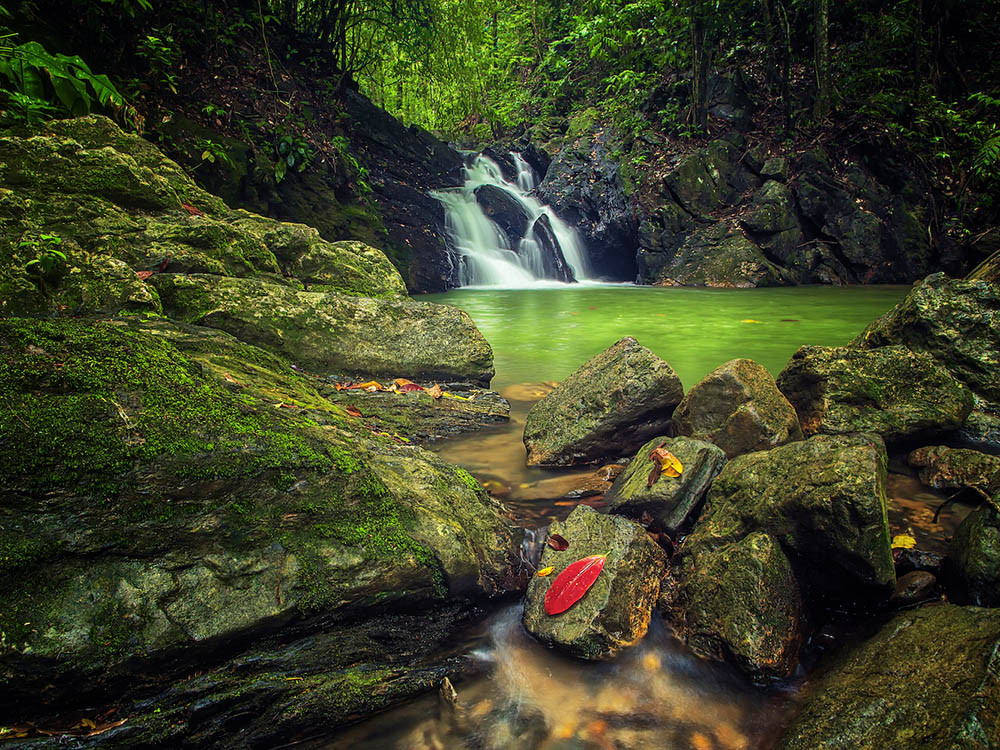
[
  {"x": 162, "y": 54},
  {"x": 50, "y": 259},
  {"x": 293, "y": 152},
  {"x": 44, "y": 84},
  {"x": 212, "y": 152}
]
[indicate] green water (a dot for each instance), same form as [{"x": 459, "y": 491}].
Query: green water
[{"x": 545, "y": 334}]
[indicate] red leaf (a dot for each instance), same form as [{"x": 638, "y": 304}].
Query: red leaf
[
  {"x": 407, "y": 387},
  {"x": 165, "y": 263},
  {"x": 573, "y": 583},
  {"x": 143, "y": 275},
  {"x": 353, "y": 411},
  {"x": 557, "y": 542},
  {"x": 194, "y": 211}
]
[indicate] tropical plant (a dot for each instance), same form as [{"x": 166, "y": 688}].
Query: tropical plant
[
  {"x": 49, "y": 259},
  {"x": 293, "y": 153}
]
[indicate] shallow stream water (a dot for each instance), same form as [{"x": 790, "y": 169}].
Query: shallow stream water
[{"x": 654, "y": 695}]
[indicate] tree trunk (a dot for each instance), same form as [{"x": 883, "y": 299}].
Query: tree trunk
[
  {"x": 822, "y": 51},
  {"x": 701, "y": 61}
]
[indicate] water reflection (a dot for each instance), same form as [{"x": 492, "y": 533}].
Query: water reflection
[{"x": 654, "y": 696}]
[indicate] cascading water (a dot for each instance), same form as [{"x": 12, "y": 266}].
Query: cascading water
[{"x": 527, "y": 244}]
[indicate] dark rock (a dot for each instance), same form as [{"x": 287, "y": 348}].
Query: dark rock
[
  {"x": 928, "y": 679},
  {"x": 670, "y": 501},
  {"x": 709, "y": 179},
  {"x": 973, "y": 562},
  {"x": 504, "y": 160},
  {"x": 503, "y": 208},
  {"x": 989, "y": 269},
  {"x": 775, "y": 168},
  {"x": 739, "y": 408},
  {"x": 823, "y": 499},
  {"x": 916, "y": 559},
  {"x": 554, "y": 265},
  {"x": 583, "y": 185},
  {"x": 609, "y": 407},
  {"x": 773, "y": 224},
  {"x": 892, "y": 391},
  {"x": 913, "y": 587},
  {"x": 536, "y": 157},
  {"x": 615, "y": 612},
  {"x": 949, "y": 468},
  {"x": 740, "y": 603}
]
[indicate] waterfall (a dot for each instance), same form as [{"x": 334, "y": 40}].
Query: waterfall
[{"x": 523, "y": 244}]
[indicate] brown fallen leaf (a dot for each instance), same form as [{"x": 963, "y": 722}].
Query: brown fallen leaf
[
  {"x": 229, "y": 378},
  {"x": 354, "y": 411},
  {"x": 143, "y": 275},
  {"x": 193, "y": 210},
  {"x": 557, "y": 542},
  {"x": 435, "y": 391}
]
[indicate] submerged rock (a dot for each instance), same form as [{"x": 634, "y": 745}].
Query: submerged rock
[
  {"x": 609, "y": 407},
  {"x": 973, "y": 561},
  {"x": 740, "y": 603},
  {"x": 947, "y": 468},
  {"x": 615, "y": 612},
  {"x": 928, "y": 679},
  {"x": 890, "y": 391},
  {"x": 670, "y": 501},
  {"x": 738, "y": 407}
]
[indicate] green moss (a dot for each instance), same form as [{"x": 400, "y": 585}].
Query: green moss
[{"x": 467, "y": 478}]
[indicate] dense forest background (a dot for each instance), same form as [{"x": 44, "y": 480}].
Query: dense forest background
[{"x": 920, "y": 75}]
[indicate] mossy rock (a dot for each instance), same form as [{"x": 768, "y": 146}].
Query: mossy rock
[
  {"x": 973, "y": 561},
  {"x": 955, "y": 321},
  {"x": 192, "y": 510},
  {"x": 740, "y": 603},
  {"x": 615, "y": 612},
  {"x": 988, "y": 270},
  {"x": 710, "y": 179},
  {"x": 720, "y": 255},
  {"x": 927, "y": 679},
  {"x": 331, "y": 332},
  {"x": 738, "y": 407},
  {"x": 823, "y": 499},
  {"x": 950, "y": 468},
  {"x": 607, "y": 408},
  {"x": 672, "y": 502},
  {"x": 890, "y": 391}
]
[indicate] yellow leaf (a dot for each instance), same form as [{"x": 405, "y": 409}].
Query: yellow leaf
[
  {"x": 545, "y": 571},
  {"x": 903, "y": 541},
  {"x": 435, "y": 391},
  {"x": 749, "y": 320}
]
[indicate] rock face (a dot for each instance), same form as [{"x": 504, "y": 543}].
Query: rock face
[
  {"x": 950, "y": 696},
  {"x": 973, "y": 562},
  {"x": 890, "y": 391},
  {"x": 509, "y": 214},
  {"x": 161, "y": 505},
  {"x": 741, "y": 603},
  {"x": 615, "y": 612},
  {"x": 554, "y": 265},
  {"x": 739, "y": 408},
  {"x": 583, "y": 185},
  {"x": 609, "y": 407},
  {"x": 334, "y": 332},
  {"x": 943, "y": 467},
  {"x": 671, "y": 501}
]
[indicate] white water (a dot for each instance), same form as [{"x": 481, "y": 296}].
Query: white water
[{"x": 486, "y": 258}]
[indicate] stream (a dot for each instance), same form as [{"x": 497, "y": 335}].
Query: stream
[{"x": 657, "y": 694}]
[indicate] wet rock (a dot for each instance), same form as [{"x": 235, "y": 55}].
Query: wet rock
[
  {"x": 158, "y": 509},
  {"x": 554, "y": 265},
  {"x": 823, "y": 499},
  {"x": 945, "y": 468},
  {"x": 615, "y": 612},
  {"x": 609, "y": 407},
  {"x": 913, "y": 587},
  {"x": 775, "y": 168},
  {"x": 973, "y": 562},
  {"x": 508, "y": 212},
  {"x": 739, "y": 408},
  {"x": 928, "y": 679},
  {"x": 890, "y": 391},
  {"x": 772, "y": 222},
  {"x": 334, "y": 333},
  {"x": 710, "y": 178},
  {"x": 955, "y": 321},
  {"x": 740, "y": 603},
  {"x": 670, "y": 501},
  {"x": 917, "y": 559},
  {"x": 982, "y": 427}
]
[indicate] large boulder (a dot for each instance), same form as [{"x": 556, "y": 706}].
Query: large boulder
[
  {"x": 554, "y": 265},
  {"x": 740, "y": 603},
  {"x": 615, "y": 612},
  {"x": 334, "y": 332},
  {"x": 507, "y": 211},
  {"x": 890, "y": 391},
  {"x": 823, "y": 499},
  {"x": 950, "y": 468},
  {"x": 163, "y": 515},
  {"x": 927, "y": 679},
  {"x": 670, "y": 501},
  {"x": 955, "y": 321},
  {"x": 973, "y": 562},
  {"x": 739, "y": 408},
  {"x": 609, "y": 407}
]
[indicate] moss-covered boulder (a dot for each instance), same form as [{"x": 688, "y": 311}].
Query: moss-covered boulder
[
  {"x": 334, "y": 332},
  {"x": 740, "y": 603},
  {"x": 973, "y": 562},
  {"x": 720, "y": 255},
  {"x": 615, "y": 612},
  {"x": 671, "y": 501},
  {"x": 948, "y": 468},
  {"x": 955, "y": 321},
  {"x": 739, "y": 408},
  {"x": 170, "y": 496},
  {"x": 823, "y": 499},
  {"x": 608, "y": 408},
  {"x": 890, "y": 391},
  {"x": 927, "y": 679}
]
